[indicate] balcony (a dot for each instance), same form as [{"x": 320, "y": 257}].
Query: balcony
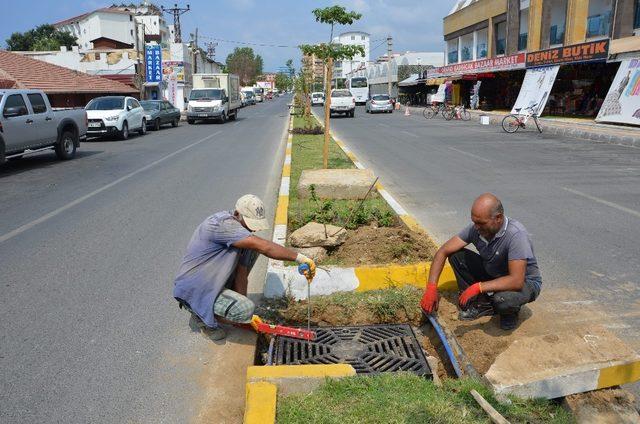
[{"x": 599, "y": 25}]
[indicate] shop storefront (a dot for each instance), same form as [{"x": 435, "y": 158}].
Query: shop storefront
[
  {"x": 582, "y": 79},
  {"x": 485, "y": 84}
]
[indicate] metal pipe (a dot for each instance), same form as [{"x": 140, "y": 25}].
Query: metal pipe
[
  {"x": 270, "y": 352},
  {"x": 447, "y": 348}
]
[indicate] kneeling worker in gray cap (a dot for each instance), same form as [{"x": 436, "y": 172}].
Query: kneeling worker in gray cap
[
  {"x": 501, "y": 278},
  {"x": 212, "y": 280}
]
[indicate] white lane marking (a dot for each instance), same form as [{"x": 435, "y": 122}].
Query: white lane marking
[
  {"x": 79, "y": 200},
  {"x": 604, "y": 202},
  {"x": 392, "y": 202},
  {"x": 468, "y": 154},
  {"x": 410, "y": 134}
]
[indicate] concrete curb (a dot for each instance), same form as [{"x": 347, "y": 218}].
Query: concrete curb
[
  {"x": 284, "y": 280},
  {"x": 265, "y": 383},
  {"x": 599, "y": 133}
]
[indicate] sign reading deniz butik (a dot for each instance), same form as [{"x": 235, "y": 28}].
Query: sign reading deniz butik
[
  {"x": 153, "y": 60},
  {"x": 584, "y": 52},
  {"x": 504, "y": 63}
]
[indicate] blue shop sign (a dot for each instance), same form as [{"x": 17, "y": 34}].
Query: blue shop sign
[{"x": 153, "y": 60}]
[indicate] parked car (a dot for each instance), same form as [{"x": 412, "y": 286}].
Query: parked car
[
  {"x": 115, "y": 115},
  {"x": 250, "y": 98},
  {"x": 159, "y": 113},
  {"x": 317, "y": 98},
  {"x": 342, "y": 101},
  {"x": 29, "y": 124},
  {"x": 379, "y": 103}
]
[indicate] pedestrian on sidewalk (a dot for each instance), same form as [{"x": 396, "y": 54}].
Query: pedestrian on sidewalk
[
  {"x": 501, "y": 278},
  {"x": 212, "y": 280}
]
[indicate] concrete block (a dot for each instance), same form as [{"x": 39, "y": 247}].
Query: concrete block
[
  {"x": 564, "y": 363},
  {"x": 336, "y": 183}
]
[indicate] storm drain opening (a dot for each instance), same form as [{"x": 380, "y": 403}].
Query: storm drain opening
[{"x": 370, "y": 349}]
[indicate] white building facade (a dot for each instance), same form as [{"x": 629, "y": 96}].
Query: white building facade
[
  {"x": 357, "y": 38},
  {"x": 102, "y": 28}
]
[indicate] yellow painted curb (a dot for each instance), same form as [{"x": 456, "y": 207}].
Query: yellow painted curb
[
  {"x": 383, "y": 277},
  {"x": 288, "y": 151},
  {"x": 619, "y": 374},
  {"x": 260, "y": 404},
  {"x": 286, "y": 171},
  {"x": 281, "y": 211},
  {"x": 300, "y": 371}
]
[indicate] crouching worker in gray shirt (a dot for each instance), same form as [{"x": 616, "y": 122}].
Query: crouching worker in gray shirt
[
  {"x": 212, "y": 280},
  {"x": 501, "y": 278}
]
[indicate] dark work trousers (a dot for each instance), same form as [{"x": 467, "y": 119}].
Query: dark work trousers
[{"x": 469, "y": 269}]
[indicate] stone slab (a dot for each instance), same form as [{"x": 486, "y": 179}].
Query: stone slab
[
  {"x": 336, "y": 183},
  {"x": 563, "y": 363}
]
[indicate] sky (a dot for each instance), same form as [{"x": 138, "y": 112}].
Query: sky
[{"x": 415, "y": 25}]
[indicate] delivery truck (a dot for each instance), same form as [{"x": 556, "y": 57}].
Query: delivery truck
[{"x": 214, "y": 96}]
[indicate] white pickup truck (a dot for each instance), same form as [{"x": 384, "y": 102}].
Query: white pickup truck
[
  {"x": 342, "y": 101},
  {"x": 28, "y": 124}
]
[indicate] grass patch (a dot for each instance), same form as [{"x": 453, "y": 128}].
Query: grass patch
[
  {"x": 307, "y": 154},
  {"x": 406, "y": 398}
]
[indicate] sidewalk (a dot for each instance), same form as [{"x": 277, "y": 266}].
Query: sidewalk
[{"x": 570, "y": 127}]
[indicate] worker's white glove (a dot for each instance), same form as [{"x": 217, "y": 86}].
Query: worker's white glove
[{"x": 306, "y": 266}]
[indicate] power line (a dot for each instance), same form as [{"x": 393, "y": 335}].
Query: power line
[
  {"x": 220, "y": 40},
  {"x": 283, "y": 46}
]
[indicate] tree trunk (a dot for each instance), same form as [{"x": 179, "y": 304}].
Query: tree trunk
[{"x": 327, "y": 109}]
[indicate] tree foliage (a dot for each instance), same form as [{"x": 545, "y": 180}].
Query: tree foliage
[
  {"x": 244, "y": 63},
  {"x": 335, "y": 15},
  {"x": 334, "y": 51},
  {"x": 41, "y": 38},
  {"x": 283, "y": 82}
]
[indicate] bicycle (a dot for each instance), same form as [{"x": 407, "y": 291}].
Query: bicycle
[
  {"x": 458, "y": 112},
  {"x": 513, "y": 122},
  {"x": 431, "y": 111}
]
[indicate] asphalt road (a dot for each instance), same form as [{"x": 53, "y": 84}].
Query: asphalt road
[
  {"x": 88, "y": 250},
  {"x": 580, "y": 200}
]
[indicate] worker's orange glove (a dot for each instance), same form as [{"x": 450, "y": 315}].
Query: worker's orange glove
[
  {"x": 429, "y": 302},
  {"x": 471, "y": 292}
]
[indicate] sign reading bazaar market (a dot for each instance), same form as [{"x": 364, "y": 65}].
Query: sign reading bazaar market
[
  {"x": 584, "y": 52},
  {"x": 504, "y": 63}
]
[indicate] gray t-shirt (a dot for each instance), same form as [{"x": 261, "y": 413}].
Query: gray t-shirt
[
  {"x": 209, "y": 262},
  {"x": 512, "y": 242}
]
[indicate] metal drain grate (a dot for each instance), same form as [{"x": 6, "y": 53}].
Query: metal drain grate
[{"x": 370, "y": 349}]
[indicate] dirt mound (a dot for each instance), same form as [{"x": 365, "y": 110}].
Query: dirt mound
[{"x": 382, "y": 245}]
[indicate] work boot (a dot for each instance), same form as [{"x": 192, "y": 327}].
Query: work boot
[
  {"x": 215, "y": 333},
  {"x": 476, "y": 311},
  {"x": 508, "y": 321}
]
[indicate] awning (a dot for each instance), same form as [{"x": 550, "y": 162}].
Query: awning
[
  {"x": 435, "y": 81},
  {"x": 412, "y": 80}
]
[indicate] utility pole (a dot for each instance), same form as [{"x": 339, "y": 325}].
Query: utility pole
[
  {"x": 176, "y": 12},
  {"x": 140, "y": 55},
  {"x": 211, "y": 50},
  {"x": 389, "y": 49},
  {"x": 195, "y": 52}
]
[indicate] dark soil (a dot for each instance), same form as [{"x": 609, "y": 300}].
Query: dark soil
[{"x": 372, "y": 245}]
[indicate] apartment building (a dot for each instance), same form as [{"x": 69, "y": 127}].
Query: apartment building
[{"x": 574, "y": 48}]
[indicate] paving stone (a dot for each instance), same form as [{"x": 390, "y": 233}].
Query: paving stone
[{"x": 336, "y": 183}]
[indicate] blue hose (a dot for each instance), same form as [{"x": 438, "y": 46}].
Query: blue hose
[{"x": 445, "y": 343}]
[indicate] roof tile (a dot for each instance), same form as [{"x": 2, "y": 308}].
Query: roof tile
[{"x": 35, "y": 74}]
